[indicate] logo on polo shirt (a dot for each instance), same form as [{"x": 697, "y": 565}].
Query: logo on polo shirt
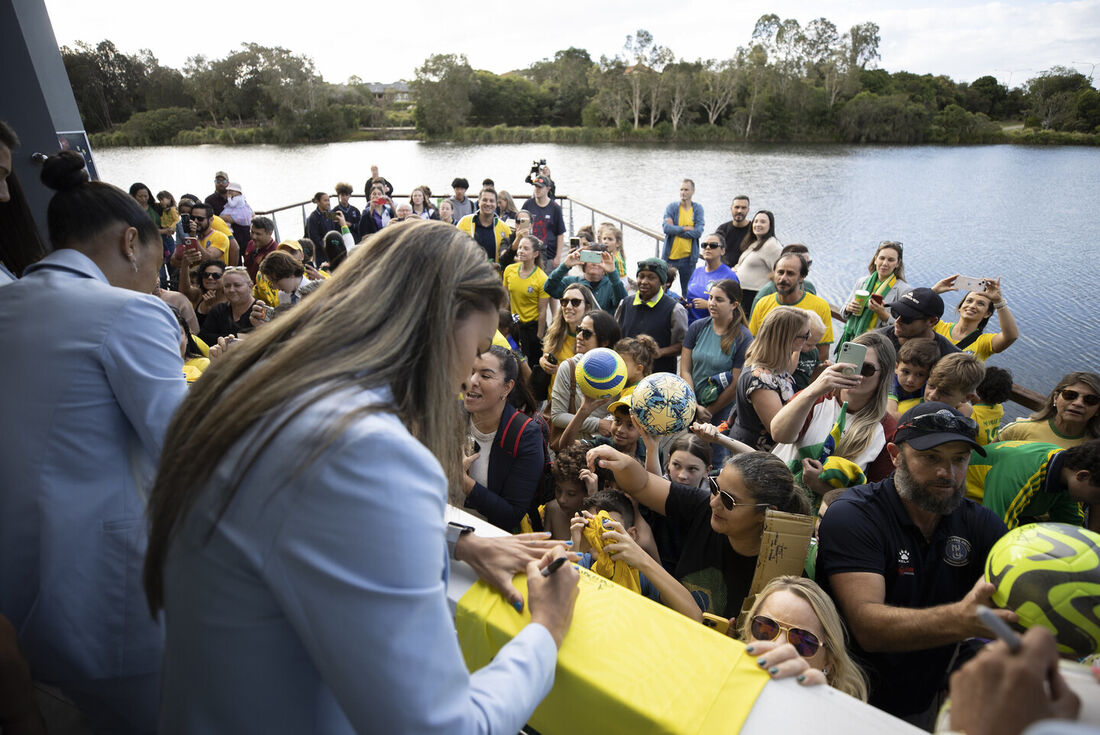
[
  {"x": 956, "y": 551},
  {"x": 904, "y": 567}
]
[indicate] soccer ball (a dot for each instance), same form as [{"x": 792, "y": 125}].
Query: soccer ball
[
  {"x": 1049, "y": 574},
  {"x": 663, "y": 404},
  {"x": 601, "y": 373}
]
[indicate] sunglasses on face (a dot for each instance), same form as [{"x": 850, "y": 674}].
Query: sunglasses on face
[
  {"x": 868, "y": 369},
  {"x": 709, "y": 245},
  {"x": 572, "y": 302},
  {"x": 765, "y": 629},
  {"x": 1090, "y": 399},
  {"x": 728, "y": 500},
  {"x": 213, "y": 274},
  {"x": 585, "y": 333},
  {"x": 907, "y": 319}
]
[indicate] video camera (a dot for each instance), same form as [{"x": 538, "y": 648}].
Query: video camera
[{"x": 536, "y": 168}]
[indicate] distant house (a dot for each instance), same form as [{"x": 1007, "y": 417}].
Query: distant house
[{"x": 393, "y": 92}]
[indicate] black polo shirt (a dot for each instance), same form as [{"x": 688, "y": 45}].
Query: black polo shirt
[{"x": 869, "y": 530}]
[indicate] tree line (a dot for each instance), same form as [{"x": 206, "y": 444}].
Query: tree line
[{"x": 788, "y": 83}]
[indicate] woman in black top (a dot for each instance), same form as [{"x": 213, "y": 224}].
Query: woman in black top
[{"x": 240, "y": 312}]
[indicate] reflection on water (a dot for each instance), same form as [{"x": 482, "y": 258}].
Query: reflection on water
[{"x": 1027, "y": 214}]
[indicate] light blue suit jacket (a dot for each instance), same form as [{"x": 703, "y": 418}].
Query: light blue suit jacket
[
  {"x": 318, "y": 603},
  {"x": 93, "y": 374}
]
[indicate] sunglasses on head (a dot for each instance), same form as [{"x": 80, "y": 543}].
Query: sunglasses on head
[
  {"x": 1090, "y": 399},
  {"x": 943, "y": 421},
  {"x": 728, "y": 500},
  {"x": 765, "y": 629},
  {"x": 585, "y": 333},
  {"x": 572, "y": 302}
]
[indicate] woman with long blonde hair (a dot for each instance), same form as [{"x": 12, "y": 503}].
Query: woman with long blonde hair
[
  {"x": 765, "y": 383},
  {"x": 795, "y": 630},
  {"x": 301, "y": 563}
]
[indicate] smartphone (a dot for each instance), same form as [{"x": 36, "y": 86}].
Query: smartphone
[
  {"x": 330, "y": 216},
  {"x": 851, "y": 357},
  {"x": 552, "y": 359},
  {"x": 574, "y": 243},
  {"x": 185, "y": 222},
  {"x": 715, "y": 622},
  {"x": 591, "y": 256},
  {"x": 965, "y": 283},
  {"x": 191, "y": 243}
]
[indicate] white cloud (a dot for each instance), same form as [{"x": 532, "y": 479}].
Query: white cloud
[{"x": 382, "y": 43}]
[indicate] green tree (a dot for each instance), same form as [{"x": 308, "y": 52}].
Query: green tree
[
  {"x": 442, "y": 87},
  {"x": 613, "y": 91},
  {"x": 638, "y": 48},
  {"x": 565, "y": 79},
  {"x": 716, "y": 84},
  {"x": 683, "y": 90},
  {"x": 106, "y": 83},
  {"x": 1052, "y": 97}
]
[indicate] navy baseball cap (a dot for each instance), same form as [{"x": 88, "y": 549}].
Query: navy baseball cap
[
  {"x": 931, "y": 424},
  {"x": 918, "y": 303}
]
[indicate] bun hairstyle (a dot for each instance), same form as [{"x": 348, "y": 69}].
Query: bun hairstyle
[{"x": 82, "y": 209}]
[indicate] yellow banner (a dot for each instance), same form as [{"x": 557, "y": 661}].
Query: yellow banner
[{"x": 627, "y": 665}]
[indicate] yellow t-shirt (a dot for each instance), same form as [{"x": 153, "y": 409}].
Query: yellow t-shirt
[
  {"x": 169, "y": 217},
  {"x": 220, "y": 225},
  {"x": 217, "y": 240},
  {"x": 681, "y": 246},
  {"x": 524, "y": 293},
  {"x": 567, "y": 350},
  {"x": 809, "y": 302},
  {"x": 982, "y": 347},
  {"x": 989, "y": 421},
  {"x": 1029, "y": 430}
]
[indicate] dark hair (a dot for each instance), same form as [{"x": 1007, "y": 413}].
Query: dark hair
[
  {"x": 740, "y": 196},
  {"x": 732, "y": 290},
  {"x": 82, "y": 209},
  {"x": 519, "y": 397},
  {"x": 768, "y": 480},
  {"x": 138, "y": 186},
  {"x": 751, "y": 241},
  {"x": 279, "y": 265},
  {"x": 488, "y": 184},
  {"x": 612, "y": 501},
  {"x": 996, "y": 385},
  {"x": 263, "y": 223},
  {"x": 606, "y": 328},
  {"x": 203, "y": 206},
  {"x": 693, "y": 445},
  {"x": 489, "y": 189},
  {"x": 460, "y": 183},
  {"x": 8, "y": 136},
  {"x": 206, "y": 264},
  {"x": 570, "y": 462},
  {"x": 1048, "y": 411},
  {"x": 922, "y": 352},
  {"x": 989, "y": 311},
  {"x": 343, "y": 188},
  {"x": 797, "y": 247},
  {"x": 308, "y": 247},
  {"x": 1084, "y": 457},
  {"x": 192, "y": 347},
  {"x": 803, "y": 264},
  {"x": 317, "y": 197}
]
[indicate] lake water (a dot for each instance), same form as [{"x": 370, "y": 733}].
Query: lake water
[{"x": 1027, "y": 214}]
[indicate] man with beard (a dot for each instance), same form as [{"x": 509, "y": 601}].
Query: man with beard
[
  {"x": 903, "y": 560},
  {"x": 790, "y": 272},
  {"x": 734, "y": 231}
]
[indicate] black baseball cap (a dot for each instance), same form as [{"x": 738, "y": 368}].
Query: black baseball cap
[
  {"x": 918, "y": 303},
  {"x": 932, "y": 423}
]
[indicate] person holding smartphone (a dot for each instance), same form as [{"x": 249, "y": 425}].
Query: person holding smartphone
[
  {"x": 980, "y": 301},
  {"x": 600, "y": 275},
  {"x": 302, "y": 563},
  {"x": 846, "y": 401}
]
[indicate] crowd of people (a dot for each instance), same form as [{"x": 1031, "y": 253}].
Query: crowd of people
[{"x": 229, "y": 463}]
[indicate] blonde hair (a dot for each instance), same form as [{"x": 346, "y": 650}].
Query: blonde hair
[
  {"x": 357, "y": 330},
  {"x": 844, "y": 674},
  {"x": 239, "y": 270},
  {"x": 558, "y": 331},
  {"x": 862, "y": 426},
  {"x": 772, "y": 346},
  {"x": 959, "y": 371}
]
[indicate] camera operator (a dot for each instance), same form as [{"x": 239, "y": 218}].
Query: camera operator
[{"x": 539, "y": 168}]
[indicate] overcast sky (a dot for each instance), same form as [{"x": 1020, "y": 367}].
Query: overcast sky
[{"x": 383, "y": 42}]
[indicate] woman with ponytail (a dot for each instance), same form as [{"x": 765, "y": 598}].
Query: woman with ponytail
[{"x": 94, "y": 370}]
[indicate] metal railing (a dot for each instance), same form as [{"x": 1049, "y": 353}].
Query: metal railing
[{"x": 1021, "y": 395}]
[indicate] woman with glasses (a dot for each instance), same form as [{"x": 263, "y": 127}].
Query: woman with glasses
[
  {"x": 765, "y": 383},
  {"x": 720, "y": 527},
  {"x": 885, "y": 282},
  {"x": 238, "y": 314},
  {"x": 559, "y": 343},
  {"x": 209, "y": 292},
  {"x": 1071, "y": 415},
  {"x": 596, "y": 329},
  {"x": 709, "y": 272},
  {"x": 795, "y": 631},
  {"x": 840, "y": 416},
  {"x": 975, "y": 310}
]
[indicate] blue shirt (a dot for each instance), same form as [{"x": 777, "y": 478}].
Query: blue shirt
[
  {"x": 699, "y": 287},
  {"x": 94, "y": 375},
  {"x": 318, "y": 602}
]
